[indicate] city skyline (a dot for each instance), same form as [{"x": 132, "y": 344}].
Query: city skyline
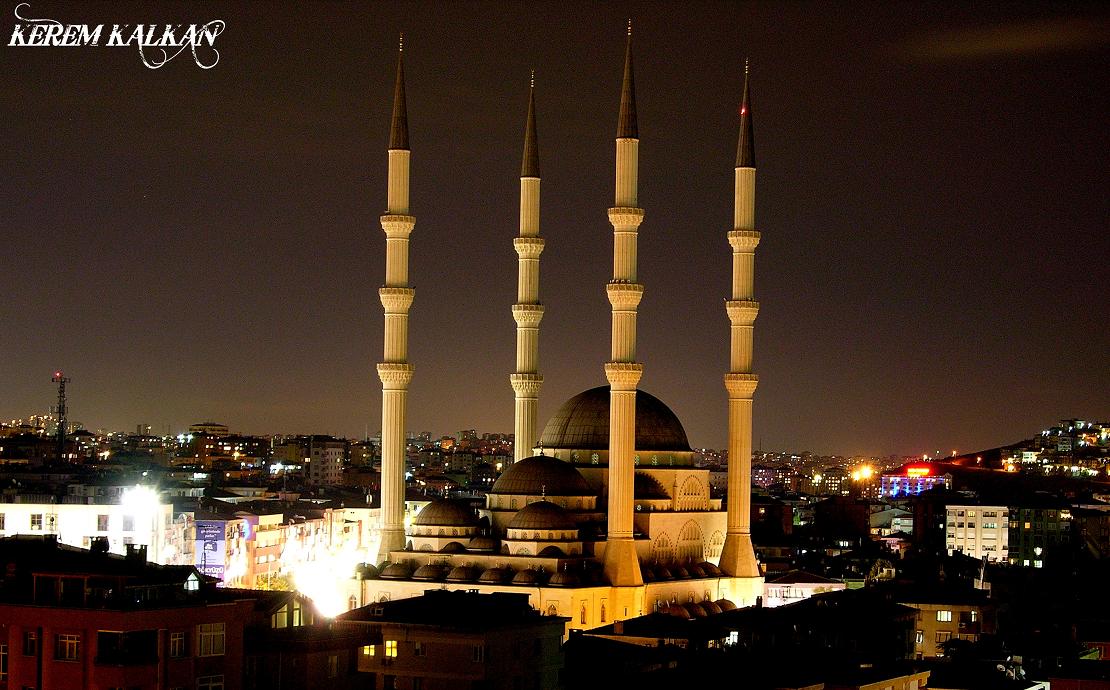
[{"x": 204, "y": 244}]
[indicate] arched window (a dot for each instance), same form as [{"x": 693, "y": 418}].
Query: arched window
[{"x": 352, "y": 603}]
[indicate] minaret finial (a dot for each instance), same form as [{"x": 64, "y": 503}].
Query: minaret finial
[
  {"x": 530, "y": 163},
  {"x": 626, "y": 122},
  {"x": 532, "y": 80},
  {"x": 399, "y": 129},
  {"x": 747, "y": 66},
  {"x": 745, "y": 147}
]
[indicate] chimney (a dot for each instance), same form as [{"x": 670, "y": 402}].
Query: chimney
[{"x": 136, "y": 553}]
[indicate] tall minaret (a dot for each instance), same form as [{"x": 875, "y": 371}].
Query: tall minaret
[
  {"x": 623, "y": 371},
  {"x": 738, "y": 556},
  {"x": 396, "y": 296},
  {"x": 528, "y": 311}
]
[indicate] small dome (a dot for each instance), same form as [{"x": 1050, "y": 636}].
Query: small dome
[
  {"x": 710, "y": 569},
  {"x": 495, "y": 576},
  {"x": 663, "y": 573},
  {"x": 551, "y": 551},
  {"x": 681, "y": 573},
  {"x": 429, "y": 572},
  {"x": 483, "y": 543},
  {"x": 445, "y": 512},
  {"x": 542, "y": 515},
  {"x": 711, "y": 607},
  {"x": 725, "y": 604},
  {"x": 696, "y": 611},
  {"x": 366, "y": 571},
  {"x": 453, "y": 547},
  {"x": 541, "y": 476},
  {"x": 677, "y": 611},
  {"x": 525, "y": 577},
  {"x": 396, "y": 571},
  {"x": 582, "y": 423},
  {"x": 697, "y": 571},
  {"x": 647, "y": 575},
  {"x": 463, "y": 573},
  {"x": 563, "y": 579}
]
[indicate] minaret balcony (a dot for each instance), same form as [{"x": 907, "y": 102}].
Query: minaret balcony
[
  {"x": 741, "y": 386},
  {"x": 743, "y": 240},
  {"x": 624, "y": 296},
  {"x": 624, "y": 375},
  {"x": 528, "y": 315},
  {"x": 742, "y": 312},
  {"x": 626, "y": 216},
  {"x": 395, "y": 375},
  {"x": 396, "y": 300},
  {"x": 526, "y": 385},
  {"x": 398, "y": 225},
  {"x": 528, "y": 247}
]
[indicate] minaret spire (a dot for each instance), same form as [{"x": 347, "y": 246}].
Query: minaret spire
[
  {"x": 622, "y": 566},
  {"x": 528, "y": 312},
  {"x": 745, "y": 145},
  {"x": 396, "y": 296},
  {"x": 626, "y": 120},
  {"x": 399, "y": 131},
  {"x": 738, "y": 555}
]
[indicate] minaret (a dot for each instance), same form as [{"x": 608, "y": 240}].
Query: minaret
[
  {"x": 396, "y": 296},
  {"x": 623, "y": 371},
  {"x": 528, "y": 312},
  {"x": 738, "y": 556}
]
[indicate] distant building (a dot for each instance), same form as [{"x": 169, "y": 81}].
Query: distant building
[
  {"x": 1039, "y": 529},
  {"x": 796, "y": 586},
  {"x": 979, "y": 531},
  {"x": 911, "y": 480},
  {"x": 209, "y": 428}
]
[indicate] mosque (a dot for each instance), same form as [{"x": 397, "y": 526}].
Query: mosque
[{"x": 603, "y": 516}]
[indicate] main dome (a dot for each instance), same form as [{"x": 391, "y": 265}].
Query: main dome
[
  {"x": 541, "y": 475},
  {"x": 582, "y": 423}
]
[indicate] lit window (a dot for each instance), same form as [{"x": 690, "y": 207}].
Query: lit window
[
  {"x": 920, "y": 637},
  {"x": 3, "y": 662},
  {"x": 210, "y": 640},
  {"x": 369, "y": 650},
  {"x": 36, "y": 522},
  {"x": 67, "y": 647},
  {"x": 944, "y": 616},
  {"x": 391, "y": 648},
  {"x": 333, "y": 665}
]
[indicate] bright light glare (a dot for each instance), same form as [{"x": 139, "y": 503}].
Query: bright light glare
[{"x": 140, "y": 499}]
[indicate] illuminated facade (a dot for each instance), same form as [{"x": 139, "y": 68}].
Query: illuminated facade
[
  {"x": 612, "y": 519},
  {"x": 912, "y": 480},
  {"x": 979, "y": 531}
]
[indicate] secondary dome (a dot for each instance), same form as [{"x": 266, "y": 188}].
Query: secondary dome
[
  {"x": 444, "y": 512},
  {"x": 542, "y": 515},
  {"x": 541, "y": 476},
  {"x": 583, "y": 423}
]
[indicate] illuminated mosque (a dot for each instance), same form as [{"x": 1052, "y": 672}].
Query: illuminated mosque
[{"x": 611, "y": 519}]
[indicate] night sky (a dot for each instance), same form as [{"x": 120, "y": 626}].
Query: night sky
[{"x": 194, "y": 244}]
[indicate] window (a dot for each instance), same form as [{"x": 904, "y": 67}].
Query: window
[
  {"x": 919, "y": 637},
  {"x": 391, "y": 649},
  {"x": 36, "y": 522},
  {"x": 417, "y": 684},
  {"x": 3, "y": 662},
  {"x": 67, "y": 647},
  {"x": 389, "y": 683},
  {"x": 177, "y": 645},
  {"x": 280, "y": 619},
  {"x": 210, "y": 682},
  {"x": 944, "y": 616},
  {"x": 210, "y": 641},
  {"x": 31, "y": 643},
  {"x": 129, "y": 526},
  {"x": 418, "y": 649},
  {"x": 369, "y": 650},
  {"x": 333, "y": 665},
  {"x": 1, "y": 521},
  {"x": 479, "y": 652},
  {"x": 943, "y": 636},
  {"x": 101, "y": 523},
  {"x": 298, "y": 614}
]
